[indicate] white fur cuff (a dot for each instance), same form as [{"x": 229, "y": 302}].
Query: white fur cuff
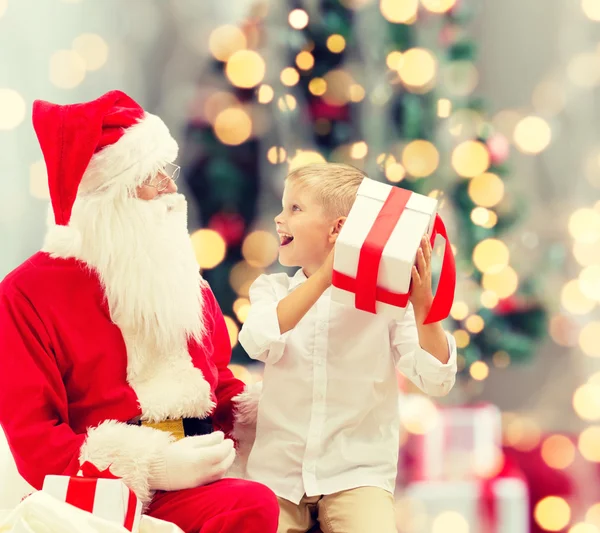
[{"x": 130, "y": 452}]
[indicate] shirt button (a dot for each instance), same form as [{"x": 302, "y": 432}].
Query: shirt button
[{"x": 322, "y": 326}]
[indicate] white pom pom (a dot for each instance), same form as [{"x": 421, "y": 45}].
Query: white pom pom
[{"x": 62, "y": 241}]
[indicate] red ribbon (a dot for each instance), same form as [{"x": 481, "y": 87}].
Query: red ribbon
[
  {"x": 81, "y": 491},
  {"x": 488, "y": 509},
  {"x": 364, "y": 286}
]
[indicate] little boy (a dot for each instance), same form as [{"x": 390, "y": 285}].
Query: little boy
[{"x": 328, "y": 423}]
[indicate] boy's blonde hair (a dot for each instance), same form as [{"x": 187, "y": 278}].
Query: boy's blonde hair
[{"x": 334, "y": 185}]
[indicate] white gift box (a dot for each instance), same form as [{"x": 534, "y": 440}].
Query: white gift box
[
  {"x": 504, "y": 510},
  {"x": 377, "y": 248},
  {"x": 463, "y": 442},
  {"x": 109, "y": 499}
]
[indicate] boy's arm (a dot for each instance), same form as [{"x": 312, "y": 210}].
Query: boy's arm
[{"x": 416, "y": 362}]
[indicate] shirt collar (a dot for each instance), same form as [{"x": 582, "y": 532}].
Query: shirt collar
[{"x": 297, "y": 279}]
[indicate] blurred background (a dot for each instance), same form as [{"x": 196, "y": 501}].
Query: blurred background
[{"x": 488, "y": 106}]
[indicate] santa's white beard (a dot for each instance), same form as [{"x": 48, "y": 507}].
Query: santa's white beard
[{"x": 142, "y": 252}]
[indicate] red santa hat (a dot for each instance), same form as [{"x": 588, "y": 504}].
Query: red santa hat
[{"x": 106, "y": 144}]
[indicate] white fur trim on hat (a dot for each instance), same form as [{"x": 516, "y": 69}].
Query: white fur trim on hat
[
  {"x": 143, "y": 149},
  {"x": 62, "y": 241}
]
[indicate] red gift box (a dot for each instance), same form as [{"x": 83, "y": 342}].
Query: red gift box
[
  {"x": 377, "y": 248},
  {"x": 98, "y": 492}
]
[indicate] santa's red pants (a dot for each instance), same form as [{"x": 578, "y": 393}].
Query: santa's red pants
[{"x": 228, "y": 506}]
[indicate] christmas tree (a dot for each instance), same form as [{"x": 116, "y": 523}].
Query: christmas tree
[{"x": 386, "y": 86}]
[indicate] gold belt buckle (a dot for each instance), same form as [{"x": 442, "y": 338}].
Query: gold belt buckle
[{"x": 175, "y": 427}]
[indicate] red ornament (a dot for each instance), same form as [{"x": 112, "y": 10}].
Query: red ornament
[
  {"x": 230, "y": 226},
  {"x": 499, "y": 148}
]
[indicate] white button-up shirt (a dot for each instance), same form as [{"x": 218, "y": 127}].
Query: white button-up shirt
[{"x": 328, "y": 417}]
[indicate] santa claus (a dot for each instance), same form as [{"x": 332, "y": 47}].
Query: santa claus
[{"x": 113, "y": 349}]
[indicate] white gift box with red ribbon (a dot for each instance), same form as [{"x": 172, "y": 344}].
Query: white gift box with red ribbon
[
  {"x": 499, "y": 505},
  {"x": 101, "y": 494},
  {"x": 377, "y": 248}
]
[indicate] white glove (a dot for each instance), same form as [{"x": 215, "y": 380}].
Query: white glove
[{"x": 191, "y": 462}]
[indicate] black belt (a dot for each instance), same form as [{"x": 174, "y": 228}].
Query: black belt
[{"x": 182, "y": 427}]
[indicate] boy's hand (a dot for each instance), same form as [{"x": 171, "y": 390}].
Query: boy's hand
[
  {"x": 421, "y": 295},
  {"x": 326, "y": 269}
]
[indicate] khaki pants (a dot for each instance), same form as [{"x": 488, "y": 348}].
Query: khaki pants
[{"x": 361, "y": 510}]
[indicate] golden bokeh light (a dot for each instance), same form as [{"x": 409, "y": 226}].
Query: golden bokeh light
[
  {"x": 233, "y": 126},
  {"x": 3, "y": 6},
  {"x": 241, "y": 308},
  {"x": 583, "y": 70},
  {"x": 419, "y": 415},
  {"x": 470, "y": 159},
  {"x": 93, "y": 49},
  {"x": 438, "y": 6},
  {"x": 260, "y": 249},
  {"x": 395, "y": 172},
  {"x": 489, "y": 299},
  {"x": 462, "y": 338},
  {"x": 589, "y": 339},
  {"x": 418, "y": 67},
  {"x": 217, "y": 102},
  {"x": 503, "y": 283},
  {"x": 589, "y": 280},
  {"x": 589, "y": 444},
  {"x": 549, "y": 98},
  {"x": 359, "y": 150},
  {"x": 484, "y": 217},
  {"x": 67, "y": 69},
  {"x": 479, "y": 370},
  {"x": 491, "y": 256},
  {"x": 563, "y": 330},
  {"x": 444, "y": 108},
  {"x": 586, "y": 401},
  {"x": 305, "y": 60},
  {"x": 399, "y": 11},
  {"x": 336, "y": 43},
  {"x": 486, "y": 190},
  {"x": 317, "y": 86},
  {"x": 558, "y": 452},
  {"x": 584, "y": 225},
  {"x": 225, "y": 41},
  {"x": 232, "y": 329},
  {"x": 12, "y": 109},
  {"x": 591, "y": 9},
  {"x": 242, "y": 275},
  {"x": 501, "y": 359},
  {"x": 209, "y": 247},
  {"x": 245, "y": 69},
  {"x": 574, "y": 300},
  {"x": 532, "y": 135},
  {"x": 338, "y": 83},
  {"x": 287, "y": 102},
  {"x": 305, "y": 157},
  {"x": 357, "y": 92},
  {"x": 298, "y": 19},
  {"x": 276, "y": 155},
  {"x": 582, "y": 527},
  {"x": 459, "y": 310},
  {"x": 420, "y": 158},
  {"x": 475, "y": 324},
  {"x": 593, "y": 514},
  {"x": 394, "y": 59},
  {"x": 552, "y": 513},
  {"x": 523, "y": 433},
  {"x": 450, "y": 521},
  {"x": 289, "y": 76},
  {"x": 38, "y": 180},
  {"x": 587, "y": 253},
  {"x": 265, "y": 94}
]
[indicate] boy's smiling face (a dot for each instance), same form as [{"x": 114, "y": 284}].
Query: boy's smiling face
[{"x": 305, "y": 232}]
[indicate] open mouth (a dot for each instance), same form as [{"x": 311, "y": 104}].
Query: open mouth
[{"x": 285, "y": 239}]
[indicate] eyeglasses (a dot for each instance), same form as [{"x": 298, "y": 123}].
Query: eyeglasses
[{"x": 169, "y": 172}]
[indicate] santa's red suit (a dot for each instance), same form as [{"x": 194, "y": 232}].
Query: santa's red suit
[{"x": 110, "y": 331}]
